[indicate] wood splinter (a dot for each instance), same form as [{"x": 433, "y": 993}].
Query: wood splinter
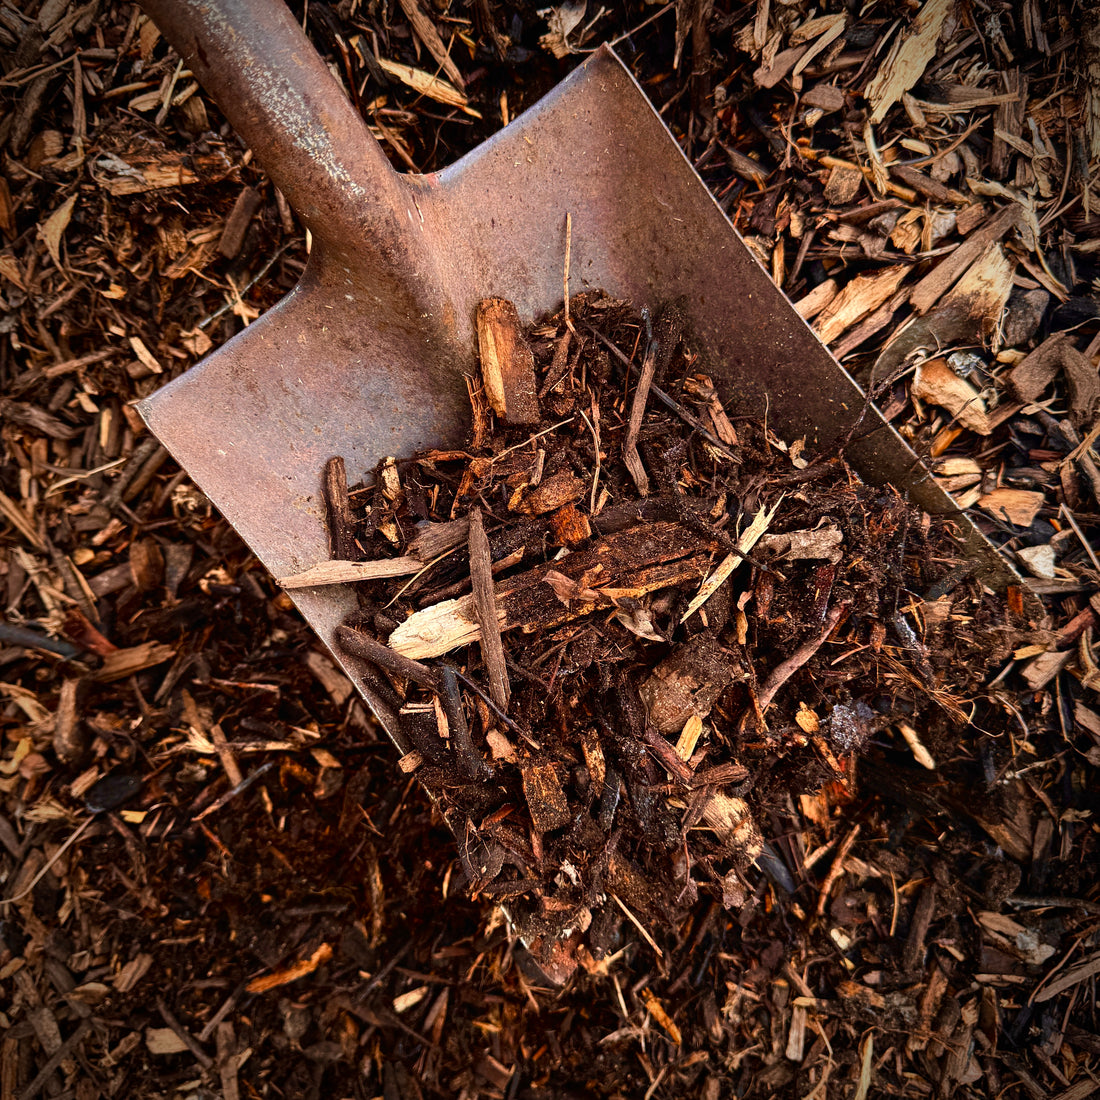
[
  {"x": 631, "y": 458},
  {"x": 507, "y": 362},
  {"x": 341, "y": 529},
  {"x": 481, "y": 577}
]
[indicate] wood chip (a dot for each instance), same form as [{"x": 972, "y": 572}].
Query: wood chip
[
  {"x": 423, "y": 83},
  {"x": 507, "y": 364},
  {"x": 545, "y": 798},
  {"x": 551, "y": 494},
  {"x": 1057, "y": 352},
  {"x": 947, "y": 272},
  {"x": 291, "y": 973},
  {"x": 348, "y": 572},
  {"x": 1018, "y": 506},
  {"x": 125, "y": 662},
  {"x": 688, "y": 682},
  {"x": 862, "y": 295},
  {"x": 236, "y": 225},
  {"x": 426, "y": 31},
  {"x": 481, "y": 579},
  {"x": 628, "y": 563},
  {"x": 908, "y": 58}
]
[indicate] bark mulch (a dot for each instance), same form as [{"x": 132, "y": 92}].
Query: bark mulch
[{"x": 216, "y": 879}]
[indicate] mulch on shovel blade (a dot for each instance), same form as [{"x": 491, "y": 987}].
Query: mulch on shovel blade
[{"x": 685, "y": 622}]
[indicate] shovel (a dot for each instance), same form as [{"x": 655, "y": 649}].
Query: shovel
[{"x": 366, "y": 356}]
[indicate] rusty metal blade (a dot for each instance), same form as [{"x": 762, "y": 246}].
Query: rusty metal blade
[{"x": 365, "y": 357}]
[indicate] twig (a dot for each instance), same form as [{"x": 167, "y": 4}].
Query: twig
[
  {"x": 227, "y": 1006},
  {"x": 558, "y": 365},
  {"x": 1080, "y": 536},
  {"x": 596, "y": 443},
  {"x": 50, "y": 1067},
  {"x": 641, "y": 927},
  {"x": 50, "y": 862},
  {"x": 31, "y": 639},
  {"x": 751, "y": 536},
  {"x": 184, "y": 1035},
  {"x": 509, "y": 723},
  {"x": 565, "y": 273},
  {"x": 786, "y": 669},
  {"x": 532, "y": 438},
  {"x": 631, "y": 457},
  {"x": 232, "y": 793},
  {"x": 413, "y": 579},
  {"x": 669, "y": 402},
  {"x": 837, "y": 867},
  {"x": 469, "y": 760},
  {"x": 485, "y": 607},
  {"x": 228, "y": 305},
  {"x": 370, "y": 649}
]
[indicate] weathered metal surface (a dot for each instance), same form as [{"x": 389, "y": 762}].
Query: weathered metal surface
[{"x": 365, "y": 357}]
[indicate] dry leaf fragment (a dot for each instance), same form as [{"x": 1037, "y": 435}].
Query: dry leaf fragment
[
  {"x": 9, "y": 269},
  {"x": 822, "y": 543},
  {"x": 562, "y": 21},
  {"x": 54, "y": 228},
  {"x": 936, "y": 382},
  {"x": 567, "y": 589}
]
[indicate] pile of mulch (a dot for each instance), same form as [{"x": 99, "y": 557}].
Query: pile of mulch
[
  {"x": 627, "y": 708},
  {"x": 216, "y": 878}
]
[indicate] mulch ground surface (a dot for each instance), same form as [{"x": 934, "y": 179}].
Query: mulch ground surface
[{"x": 867, "y": 867}]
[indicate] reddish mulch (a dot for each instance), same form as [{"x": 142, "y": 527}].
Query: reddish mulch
[{"x": 253, "y": 901}]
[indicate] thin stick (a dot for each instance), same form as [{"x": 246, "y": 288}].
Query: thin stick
[
  {"x": 232, "y": 793},
  {"x": 370, "y": 649},
  {"x": 786, "y": 669},
  {"x": 412, "y": 580},
  {"x": 565, "y": 275},
  {"x": 631, "y": 457},
  {"x": 184, "y": 1035},
  {"x": 49, "y": 863},
  {"x": 49, "y": 1068},
  {"x": 669, "y": 402},
  {"x": 836, "y": 869},
  {"x": 469, "y": 761},
  {"x": 532, "y": 438},
  {"x": 472, "y": 685},
  {"x": 485, "y": 607},
  {"x": 596, "y": 443},
  {"x": 638, "y": 924},
  {"x": 1080, "y": 536}
]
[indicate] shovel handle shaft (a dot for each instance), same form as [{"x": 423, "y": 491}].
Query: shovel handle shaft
[{"x": 264, "y": 74}]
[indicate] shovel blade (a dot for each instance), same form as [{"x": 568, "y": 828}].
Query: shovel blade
[{"x": 337, "y": 368}]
